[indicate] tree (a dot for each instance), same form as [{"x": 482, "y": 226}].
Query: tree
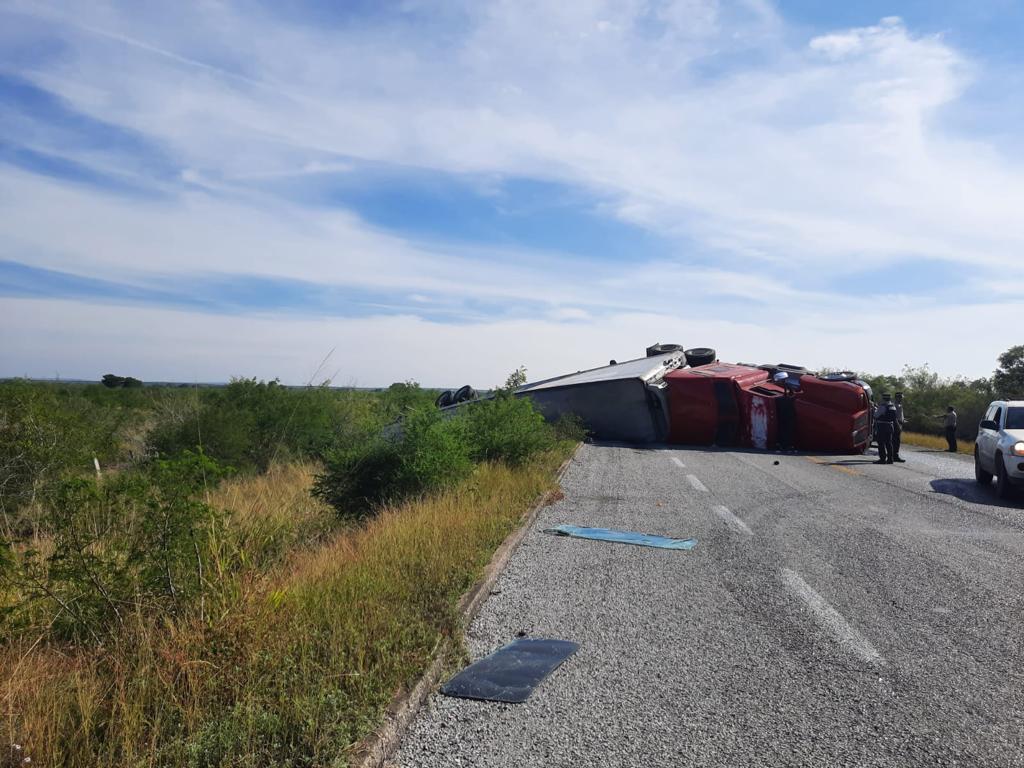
[
  {"x": 112, "y": 381},
  {"x": 1008, "y": 380}
]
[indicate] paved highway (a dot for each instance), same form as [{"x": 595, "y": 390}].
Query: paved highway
[{"x": 833, "y": 613}]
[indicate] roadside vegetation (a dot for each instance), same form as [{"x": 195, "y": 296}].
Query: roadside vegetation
[
  {"x": 937, "y": 443},
  {"x": 927, "y": 395},
  {"x": 195, "y": 603}
]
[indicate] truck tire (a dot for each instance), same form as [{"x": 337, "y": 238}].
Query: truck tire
[
  {"x": 792, "y": 368},
  {"x": 839, "y": 376},
  {"x": 444, "y": 399},
  {"x": 464, "y": 393},
  {"x": 662, "y": 349},
  {"x": 983, "y": 477},
  {"x": 700, "y": 356}
]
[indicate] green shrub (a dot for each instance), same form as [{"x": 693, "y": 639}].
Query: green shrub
[
  {"x": 570, "y": 427},
  {"x": 430, "y": 453},
  {"x": 250, "y": 423},
  {"x": 506, "y": 428},
  {"x": 44, "y": 435},
  {"x": 133, "y": 544}
]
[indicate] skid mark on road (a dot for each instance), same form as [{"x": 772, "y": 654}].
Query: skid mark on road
[
  {"x": 697, "y": 484},
  {"x": 678, "y": 463},
  {"x": 830, "y": 619},
  {"x": 732, "y": 521}
]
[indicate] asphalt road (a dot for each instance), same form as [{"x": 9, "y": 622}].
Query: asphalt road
[{"x": 833, "y": 613}]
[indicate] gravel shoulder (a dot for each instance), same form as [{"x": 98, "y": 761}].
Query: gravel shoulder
[{"x": 750, "y": 648}]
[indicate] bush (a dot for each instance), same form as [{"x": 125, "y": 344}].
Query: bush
[
  {"x": 250, "y": 423},
  {"x": 506, "y": 428},
  {"x": 132, "y": 544},
  {"x": 44, "y": 435},
  {"x": 430, "y": 453}
]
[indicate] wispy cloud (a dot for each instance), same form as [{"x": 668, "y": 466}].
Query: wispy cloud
[{"x": 711, "y": 159}]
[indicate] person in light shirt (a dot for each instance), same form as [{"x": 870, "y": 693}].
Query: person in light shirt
[{"x": 885, "y": 421}]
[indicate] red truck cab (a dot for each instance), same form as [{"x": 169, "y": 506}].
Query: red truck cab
[{"x": 737, "y": 405}]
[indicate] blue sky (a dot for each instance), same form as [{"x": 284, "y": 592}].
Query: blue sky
[{"x": 195, "y": 191}]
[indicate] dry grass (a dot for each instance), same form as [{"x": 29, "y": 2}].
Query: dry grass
[
  {"x": 937, "y": 443},
  {"x": 304, "y": 653},
  {"x": 273, "y": 513}
]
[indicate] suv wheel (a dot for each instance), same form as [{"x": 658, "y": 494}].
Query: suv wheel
[
  {"x": 1002, "y": 482},
  {"x": 983, "y": 477}
]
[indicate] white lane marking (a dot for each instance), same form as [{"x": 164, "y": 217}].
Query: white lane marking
[
  {"x": 678, "y": 463},
  {"x": 732, "y": 521},
  {"x": 696, "y": 483},
  {"x": 830, "y": 619}
]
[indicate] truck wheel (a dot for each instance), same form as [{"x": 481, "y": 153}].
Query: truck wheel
[
  {"x": 700, "y": 356},
  {"x": 444, "y": 399},
  {"x": 793, "y": 368},
  {"x": 1002, "y": 481},
  {"x": 983, "y": 477},
  {"x": 662, "y": 349},
  {"x": 462, "y": 394},
  {"x": 839, "y": 376}
]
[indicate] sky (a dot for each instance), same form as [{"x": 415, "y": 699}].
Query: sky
[{"x": 445, "y": 191}]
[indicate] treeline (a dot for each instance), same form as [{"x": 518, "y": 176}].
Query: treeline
[{"x": 927, "y": 394}]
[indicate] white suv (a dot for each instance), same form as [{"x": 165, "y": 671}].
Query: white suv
[{"x": 999, "y": 449}]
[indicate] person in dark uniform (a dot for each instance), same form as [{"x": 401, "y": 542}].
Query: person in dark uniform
[
  {"x": 897, "y": 429},
  {"x": 885, "y": 419}
]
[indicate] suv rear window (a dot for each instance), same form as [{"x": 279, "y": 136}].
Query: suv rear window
[{"x": 1014, "y": 418}]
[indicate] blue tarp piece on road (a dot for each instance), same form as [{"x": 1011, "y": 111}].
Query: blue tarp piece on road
[
  {"x": 512, "y": 672},
  {"x": 622, "y": 537}
]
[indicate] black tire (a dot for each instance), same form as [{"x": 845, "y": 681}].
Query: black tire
[
  {"x": 663, "y": 349},
  {"x": 1003, "y": 489},
  {"x": 839, "y": 376},
  {"x": 983, "y": 477},
  {"x": 464, "y": 393},
  {"x": 792, "y": 368},
  {"x": 444, "y": 399},
  {"x": 700, "y": 356}
]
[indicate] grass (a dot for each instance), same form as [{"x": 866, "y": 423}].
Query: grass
[
  {"x": 937, "y": 443},
  {"x": 298, "y": 659}
]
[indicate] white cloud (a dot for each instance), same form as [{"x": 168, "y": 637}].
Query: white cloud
[
  {"x": 818, "y": 158},
  {"x": 43, "y": 337}
]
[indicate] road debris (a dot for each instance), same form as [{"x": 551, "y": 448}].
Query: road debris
[
  {"x": 512, "y": 672},
  {"x": 622, "y": 537}
]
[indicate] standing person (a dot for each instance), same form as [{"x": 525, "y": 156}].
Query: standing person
[
  {"x": 949, "y": 421},
  {"x": 897, "y": 429},
  {"x": 885, "y": 419}
]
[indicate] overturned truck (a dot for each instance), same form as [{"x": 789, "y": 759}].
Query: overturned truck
[{"x": 690, "y": 397}]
